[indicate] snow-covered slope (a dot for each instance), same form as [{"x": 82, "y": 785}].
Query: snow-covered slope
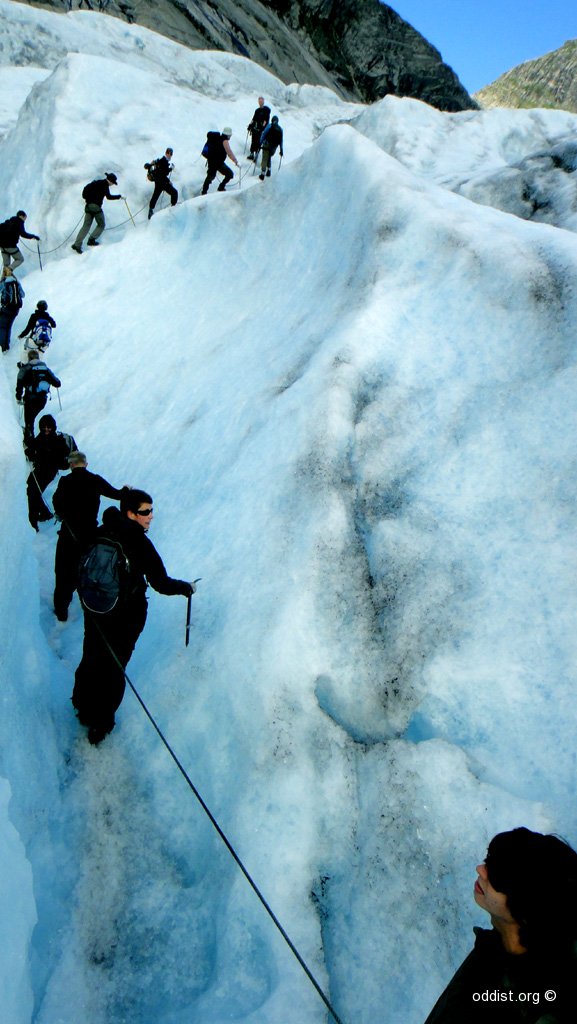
[
  {"x": 525, "y": 165},
  {"x": 351, "y": 394}
]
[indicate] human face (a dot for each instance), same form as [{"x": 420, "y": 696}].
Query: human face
[
  {"x": 490, "y": 899},
  {"x": 144, "y": 516}
]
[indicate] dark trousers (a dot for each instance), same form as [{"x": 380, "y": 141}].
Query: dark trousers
[
  {"x": 212, "y": 171},
  {"x": 33, "y": 405},
  {"x": 255, "y": 134},
  {"x": 69, "y": 548},
  {"x": 7, "y": 318},
  {"x": 37, "y": 482},
  {"x": 163, "y": 186},
  {"x": 99, "y": 682}
]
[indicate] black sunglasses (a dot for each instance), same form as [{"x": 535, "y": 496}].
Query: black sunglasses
[{"x": 145, "y": 512}]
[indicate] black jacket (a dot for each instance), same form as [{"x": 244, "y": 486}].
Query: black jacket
[
  {"x": 97, "y": 191},
  {"x": 146, "y": 565},
  {"x": 491, "y": 986},
  {"x": 162, "y": 169},
  {"x": 49, "y": 450},
  {"x": 77, "y": 500},
  {"x": 30, "y": 376},
  {"x": 260, "y": 119},
  {"x": 11, "y": 231},
  {"x": 34, "y": 318}
]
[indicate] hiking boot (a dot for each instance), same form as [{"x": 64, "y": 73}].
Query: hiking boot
[
  {"x": 96, "y": 734},
  {"x": 250, "y": 156},
  {"x": 76, "y": 248},
  {"x": 150, "y": 212},
  {"x": 45, "y": 517},
  {"x": 92, "y": 241},
  {"x": 221, "y": 188},
  {"x": 61, "y": 614},
  {"x": 261, "y": 177},
  {"x": 268, "y": 173}
]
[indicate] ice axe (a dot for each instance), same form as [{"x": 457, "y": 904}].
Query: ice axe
[
  {"x": 188, "y": 611},
  {"x": 39, "y": 258},
  {"x": 129, "y": 213}
]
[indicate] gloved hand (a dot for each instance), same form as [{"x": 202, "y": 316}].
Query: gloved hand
[{"x": 188, "y": 589}]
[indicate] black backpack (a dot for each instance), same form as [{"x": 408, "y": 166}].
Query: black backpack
[
  {"x": 152, "y": 170},
  {"x": 11, "y": 296},
  {"x": 273, "y": 136},
  {"x": 103, "y": 576},
  {"x": 91, "y": 194},
  {"x": 37, "y": 382},
  {"x": 213, "y": 148}
]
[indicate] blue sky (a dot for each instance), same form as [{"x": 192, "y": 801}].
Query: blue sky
[{"x": 481, "y": 39}]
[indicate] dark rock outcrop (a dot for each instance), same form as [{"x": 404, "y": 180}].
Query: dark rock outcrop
[{"x": 360, "y": 48}]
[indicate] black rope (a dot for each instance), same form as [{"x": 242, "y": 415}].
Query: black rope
[{"x": 222, "y": 835}]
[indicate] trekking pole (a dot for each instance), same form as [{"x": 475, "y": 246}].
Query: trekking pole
[
  {"x": 245, "y": 141},
  {"x": 188, "y": 610},
  {"x": 59, "y": 399},
  {"x": 129, "y": 213},
  {"x": 39, "y": 259}
]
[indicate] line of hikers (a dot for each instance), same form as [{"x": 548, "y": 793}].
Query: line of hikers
[
  {"x": 110, "y": 566},
  {"x": 266, "y": 137}
]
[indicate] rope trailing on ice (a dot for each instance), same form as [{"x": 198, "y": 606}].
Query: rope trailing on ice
[{"x": 224, "y": 838}]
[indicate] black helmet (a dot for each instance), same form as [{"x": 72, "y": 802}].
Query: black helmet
[
  {"x": 42, "y": 304},
  {"x": 110, "y": 176}
]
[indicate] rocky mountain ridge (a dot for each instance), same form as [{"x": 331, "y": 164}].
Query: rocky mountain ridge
[
  {"x": 360, "y": 48},
  {"x": 548, "y": 81}
]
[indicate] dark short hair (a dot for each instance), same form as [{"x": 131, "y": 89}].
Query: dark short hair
[
  {"x": 47, "y": 421},
  {"x": 132, "y": 498},
  {"x": 538, "y": 875}
]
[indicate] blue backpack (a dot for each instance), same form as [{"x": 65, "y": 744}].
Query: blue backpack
[{"x": 42, "y": 334}]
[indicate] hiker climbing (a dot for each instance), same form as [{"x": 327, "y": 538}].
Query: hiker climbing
[
  {"x": 32, "y": 388},
  {"x": 48, "y": 452},
  {"x": 260, "y": 119},
  {"x": 159, "y": 172},
  {"x": 216, "y": 150},
  {"x": 528, "y": 885},
  {"x": 76, "y": 502},
  {"x": 94, "y": 195},
  {"x": 38, "y": 330},
  {"x": 11, "y": 296},
  {"x": 11, "y": 231},
  {"x": 112, "y": 582},
  {"x": 271, "y": 140}
]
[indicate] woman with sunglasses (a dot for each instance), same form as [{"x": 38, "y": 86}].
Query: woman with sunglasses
[{"x": 110, "y": 638}]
